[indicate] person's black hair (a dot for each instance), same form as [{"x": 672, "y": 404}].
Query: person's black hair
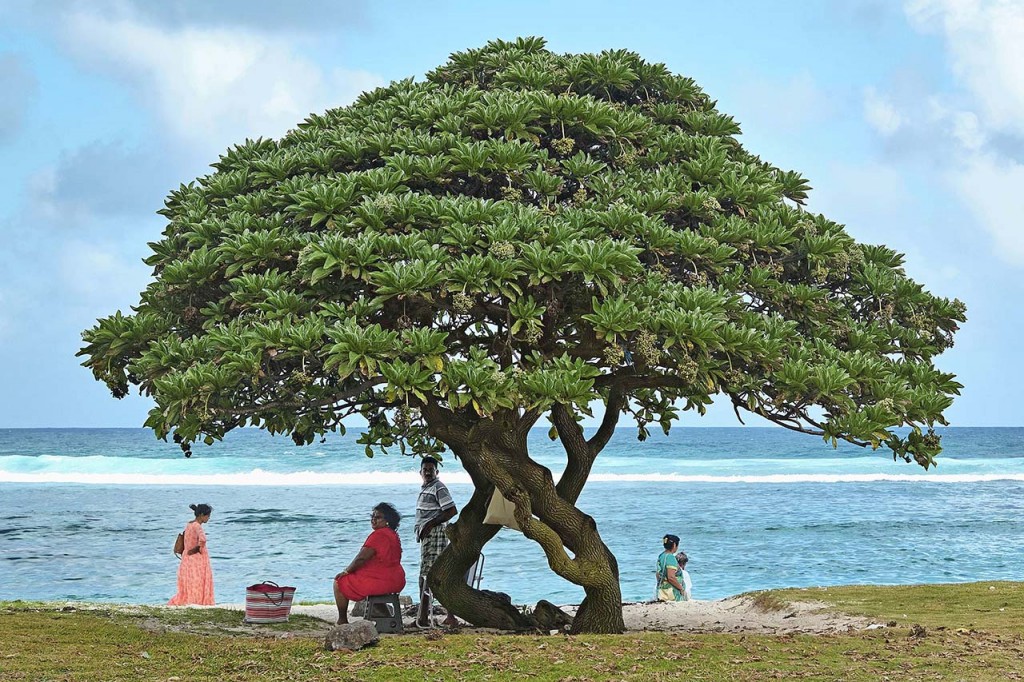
[
  {"x": 682, "y": 559},
  {"x": 201, "y": 509},
  {"x": 390, "y": 514},
  {"x": 430, "y": 459},
  {"x": 669, "y": 540}
]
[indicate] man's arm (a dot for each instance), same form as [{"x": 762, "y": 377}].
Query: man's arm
[{"x": 446, "y": 514}]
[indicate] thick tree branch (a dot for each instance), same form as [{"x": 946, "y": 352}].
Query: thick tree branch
[
  {"x": 444, "y": 424},
  {"x": 612, "y": 412},
  {"x": 552, "y": 544},
  {"x": 628, "y": 382},
  {"x": 579, "y": 458}
]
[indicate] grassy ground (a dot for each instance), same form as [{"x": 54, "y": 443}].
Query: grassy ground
[{"x": 937, "y": 632}]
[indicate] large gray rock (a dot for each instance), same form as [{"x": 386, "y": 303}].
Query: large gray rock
[{"x": 351, "y": 636}]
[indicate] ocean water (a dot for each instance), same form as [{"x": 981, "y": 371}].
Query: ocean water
[{"x": 91, "y": 514}]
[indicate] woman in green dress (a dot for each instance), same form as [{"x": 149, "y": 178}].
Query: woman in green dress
[{"x": 669, "y": 587}]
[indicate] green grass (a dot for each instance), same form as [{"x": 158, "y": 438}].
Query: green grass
[
  {"x": 971, "y": 633},
  {"x": 990, "y": 606},
  {"x": 767, "y": 600}
]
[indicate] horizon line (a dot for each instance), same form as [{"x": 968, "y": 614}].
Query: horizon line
[{"x": 654, "y": 431}]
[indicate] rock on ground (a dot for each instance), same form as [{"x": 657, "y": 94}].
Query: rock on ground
[{"x": 351, "y": 636}]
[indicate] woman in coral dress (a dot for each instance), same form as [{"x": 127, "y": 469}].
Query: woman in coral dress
[
  {"x": 377, "y": 569},
  {"x": 195, "y": 576}
]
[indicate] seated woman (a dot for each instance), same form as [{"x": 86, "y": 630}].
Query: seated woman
[
  {"x": 377, "y": 569},
  {"x": 669, "y": 587}
]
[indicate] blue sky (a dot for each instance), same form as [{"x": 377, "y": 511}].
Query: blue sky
[{"x": 907, "y": 118}]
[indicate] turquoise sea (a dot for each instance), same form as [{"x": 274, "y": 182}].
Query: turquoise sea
[{"x": 91, "y": 514}]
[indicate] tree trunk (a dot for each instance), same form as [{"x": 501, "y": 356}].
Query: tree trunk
[
  {"x": 556, "y": 524},
  {"x": 601, "y": 610},
  {"x": 447, "y": 578},
  {"x": 597, "y": 570},
  {"x": 495, "y": 454}
]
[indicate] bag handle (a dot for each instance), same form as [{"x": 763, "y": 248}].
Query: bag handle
[{"x": 277, "y": 602}]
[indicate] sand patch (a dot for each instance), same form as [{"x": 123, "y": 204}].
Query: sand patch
[{"x": 742, "y": 614}]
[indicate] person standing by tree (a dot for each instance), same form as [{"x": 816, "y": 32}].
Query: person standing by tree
[{"x": 434, "y": 508}]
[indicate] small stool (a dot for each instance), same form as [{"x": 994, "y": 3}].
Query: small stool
[{"x": 385, "y": 612}]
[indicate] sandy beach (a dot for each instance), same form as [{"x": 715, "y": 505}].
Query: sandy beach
[{"x": 741, "y": 614}]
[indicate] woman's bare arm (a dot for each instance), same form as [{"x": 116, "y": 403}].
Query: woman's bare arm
[{"x": 365, "y": 554}]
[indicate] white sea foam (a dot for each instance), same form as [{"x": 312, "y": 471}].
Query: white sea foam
[
  {"x": 259, "y": 477},
  {"x": 922, "y": 477},
  {"x": 254, "y": 477}
]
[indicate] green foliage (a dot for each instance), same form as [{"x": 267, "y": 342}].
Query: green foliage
[{"x": 521, "y": 229}]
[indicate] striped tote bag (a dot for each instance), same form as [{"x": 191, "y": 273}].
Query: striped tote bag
[{"x": 268, "y": 602}]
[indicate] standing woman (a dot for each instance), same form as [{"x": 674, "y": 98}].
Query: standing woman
[
  {"x": 195, "y": 576},
  {"x": 669, "y": 587}
]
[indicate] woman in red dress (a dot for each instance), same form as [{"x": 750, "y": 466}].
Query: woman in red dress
[{"x": 377, "y": 569}]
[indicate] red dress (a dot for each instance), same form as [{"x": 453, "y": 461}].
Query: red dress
[{"x": 382, "y": 574}]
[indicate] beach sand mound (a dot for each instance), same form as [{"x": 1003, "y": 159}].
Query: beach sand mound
[{"x": 742, "y": 614}]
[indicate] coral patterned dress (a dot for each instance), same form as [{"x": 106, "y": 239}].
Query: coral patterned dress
[{"x": 195, "y": 576}]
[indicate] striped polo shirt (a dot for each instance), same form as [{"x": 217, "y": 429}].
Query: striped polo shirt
[{"x": 434, "y": 498}]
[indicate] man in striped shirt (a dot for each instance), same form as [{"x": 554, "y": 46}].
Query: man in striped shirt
[{"x": 434, "y": 508}]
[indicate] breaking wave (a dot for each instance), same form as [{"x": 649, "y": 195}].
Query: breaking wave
[{"x": 259, "y": 477}]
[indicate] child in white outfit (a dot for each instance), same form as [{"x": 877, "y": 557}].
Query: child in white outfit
[{"x": 683, "y": 576}]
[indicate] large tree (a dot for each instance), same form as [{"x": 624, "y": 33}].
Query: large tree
[{"x": 520, "y": 236}]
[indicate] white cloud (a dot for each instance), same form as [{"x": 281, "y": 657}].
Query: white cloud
[
  {"x": 309, "y": 16},
  {"x": 212, "y": 87},
  {"x": 784, "y": 105},
  {"x": 97, "y": 276},
  {"x": 101, "y": 180},
  {"x": 992, "y": 189},
  {"x": 19, "y": 86},
  {"x": 880, "y": 113},
  {"x": 967, "y": 130},
  {"x": 985, "y": 42},
  {"x": 866, "y": 197},
  {"x": 986, "y": 45}
]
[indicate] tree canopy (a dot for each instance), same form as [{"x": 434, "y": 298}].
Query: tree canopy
[{"x": 521, "y": 234}]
